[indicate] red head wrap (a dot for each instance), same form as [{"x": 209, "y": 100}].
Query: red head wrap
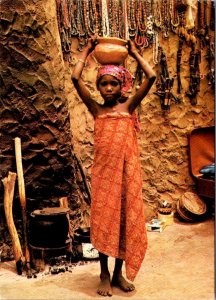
[{"x": 119, "y": 72}]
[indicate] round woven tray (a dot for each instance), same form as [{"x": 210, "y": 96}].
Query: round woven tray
[{"x": 190, "y": 207}]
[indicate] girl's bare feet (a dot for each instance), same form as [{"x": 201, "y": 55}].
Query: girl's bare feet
[
  {"x": 104, "y": 288},
  {"x": 124, "y": 285}
]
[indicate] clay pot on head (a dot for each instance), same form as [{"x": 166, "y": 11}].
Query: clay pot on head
[{"x": 110, "y": 50}]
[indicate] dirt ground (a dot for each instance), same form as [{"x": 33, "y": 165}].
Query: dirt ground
[{"x": 179, "y": 265}]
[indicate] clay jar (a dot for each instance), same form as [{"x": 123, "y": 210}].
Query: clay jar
[
  {"x": 110, "y": 50},
  {"x": 48, "y": 227}
]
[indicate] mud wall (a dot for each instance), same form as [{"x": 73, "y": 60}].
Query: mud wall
[{"x": 33, "y": 107}]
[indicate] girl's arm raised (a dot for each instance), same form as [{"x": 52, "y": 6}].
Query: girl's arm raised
[
  {"x": 80, "y": 86},
  {"x": 150, "y": 77}
]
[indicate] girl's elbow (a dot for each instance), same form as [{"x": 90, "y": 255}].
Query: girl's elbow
[{"x": 74, "y": 78}]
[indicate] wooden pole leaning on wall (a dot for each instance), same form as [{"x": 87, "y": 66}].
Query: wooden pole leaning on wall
[
  {"x": 63, "y": 201},
  {"x": 22, "y": 196},
  {"x": 9, "y": 183}
]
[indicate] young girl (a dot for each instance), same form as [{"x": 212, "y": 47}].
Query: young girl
[{"x": 117, "y": 209}]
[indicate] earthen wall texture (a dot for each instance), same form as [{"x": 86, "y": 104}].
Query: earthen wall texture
[{"x": 34, "y": 107}]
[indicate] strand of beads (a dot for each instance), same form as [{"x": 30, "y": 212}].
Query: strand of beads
[
  {"x": 99, "y": 23},
  {"x": 73, "y": 18},
  {"x": 156, "y": 14},
  {"x": 81, "y": 25},
  {"x": 131, "y": 19},
  {"x": 155, "y": 47},
  {"x": 105, "y": 19},
  {"x": 165, "y": 19},
  {"x": 114, "y": 18},
  {"x": 91, "y": 17},
  {"x": 174, "y": 19},
  {"x": 140, "y": 39},
  {"x": 150, "y": 21},
  {"x": 121, "y": 20}
]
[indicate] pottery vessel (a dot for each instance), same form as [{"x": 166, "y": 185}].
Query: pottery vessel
[
  {"x": 48, "y": 227},
  {"x": 110, "y": 50}
]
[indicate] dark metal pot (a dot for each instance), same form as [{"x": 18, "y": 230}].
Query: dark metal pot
[{"x": 48, "y": 227}]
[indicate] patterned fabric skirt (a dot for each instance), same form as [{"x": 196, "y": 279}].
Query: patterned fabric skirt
[{"x": 117, "y": 210}]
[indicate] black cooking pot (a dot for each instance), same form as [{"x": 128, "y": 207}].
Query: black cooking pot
[{"x": 48, "y": 227}]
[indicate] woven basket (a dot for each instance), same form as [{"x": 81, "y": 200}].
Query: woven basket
[{"x": 191, "y": 207}]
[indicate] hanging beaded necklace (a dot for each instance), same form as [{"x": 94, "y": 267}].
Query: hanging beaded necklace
[
  {"x": 155, "y": 47},
  {"x": 131, "y": 18},
  {"x": 121, "y": 20},
  {"x": 105, "y": 19},
  {"x": 174, "y": 18},
  {"x": 126, "y": 35},
  {"x": 202, "y": 30},
  {"x": 141, "y": 19},
  {"x": 91, "y": 17},
  {"x": 148, "y": 14},
  {"x": 99, "y": 25},
  {"x": 81, "y": 25},
  {"x": 85, "y": 16},
  {"x": 181, "y": 9},
  {"x": 73, "y": 18},
  {"x": 114, "y": 18},
  {"x": 156, "y": 14},
  {"x": 165, "y": 18}
]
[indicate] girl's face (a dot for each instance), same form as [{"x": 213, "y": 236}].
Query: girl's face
[{"x": 110, "y": 88}]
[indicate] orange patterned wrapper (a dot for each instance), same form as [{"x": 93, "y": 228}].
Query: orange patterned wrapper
[{"x": 117, "y": 210}]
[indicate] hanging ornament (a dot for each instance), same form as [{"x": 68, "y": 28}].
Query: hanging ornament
[
  {"x": 190, "y": 14},
  {"x": 164, "y": 84},
  {"x": 105, "y": 19}
]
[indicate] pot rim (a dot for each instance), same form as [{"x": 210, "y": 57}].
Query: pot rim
[{"x": 112, "y": 40}]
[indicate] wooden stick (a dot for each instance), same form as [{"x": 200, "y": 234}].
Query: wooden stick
[
  {"x": 9, "y": 183},
  {"x": 22, "y": 195},
  {"x": 64, "y": 203}
]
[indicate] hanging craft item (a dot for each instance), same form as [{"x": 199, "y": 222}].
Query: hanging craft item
[
  {"x": 212, "y": 16},
  {"x": 210, "y": 55},
  {"x": 131, "y": 19},
  {"x": 194, "y": 84},
  {"x": 110, "y": 50},
  {"x": 202, "y": 30},
  {"x": 105, "y": 19},
  {"x": 174, "y": 17},
  {"x": 142, "y": 21},
  {"x": 181, "y": 8},
  {"x": 204, "y": 35},
  {"x": 165, "y": 18},
  {"x": 190, "y": 14},
  {"x": 126, "y": 35},
  {"x": 64, "y": 25},
  {"x": 113, "y": 13},
  {"x": 164, "y": 84}
]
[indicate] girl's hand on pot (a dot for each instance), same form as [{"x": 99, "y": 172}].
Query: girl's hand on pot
[
  {"x": 132, "y": 49},
  {"x": 91, "y": 44}
]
